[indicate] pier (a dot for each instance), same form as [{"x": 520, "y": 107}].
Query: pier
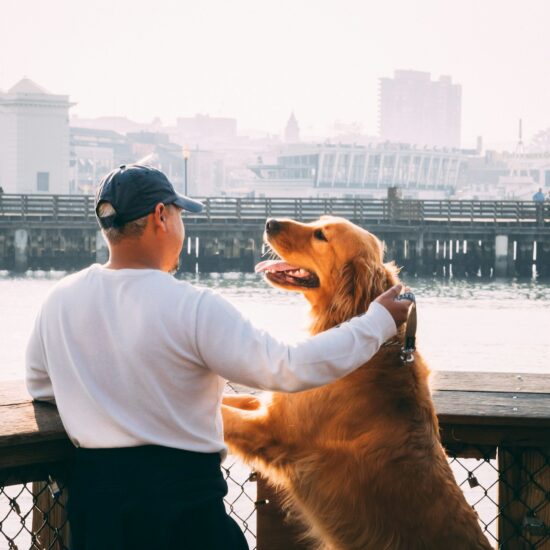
[{"x": 442, "y": 238}]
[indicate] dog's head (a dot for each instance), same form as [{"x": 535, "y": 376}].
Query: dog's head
[{"x": 337, "y": 265}]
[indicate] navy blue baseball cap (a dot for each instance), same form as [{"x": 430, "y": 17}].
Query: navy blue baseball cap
[{"x": 134, "y": 190}]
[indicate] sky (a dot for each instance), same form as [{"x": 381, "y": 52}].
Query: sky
[{"x": 258, "y": 60}]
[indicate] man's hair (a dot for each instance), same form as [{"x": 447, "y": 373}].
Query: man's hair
[{"x": 130, "y": 230}]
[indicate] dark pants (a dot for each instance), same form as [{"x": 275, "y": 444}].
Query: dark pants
[{"x": 151, "y": 498}]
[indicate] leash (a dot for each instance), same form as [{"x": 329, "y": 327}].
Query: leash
[{"x": 409, "y": 346}]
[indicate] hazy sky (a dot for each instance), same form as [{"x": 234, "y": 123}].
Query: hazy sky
[{"x": 256, "y": 60}]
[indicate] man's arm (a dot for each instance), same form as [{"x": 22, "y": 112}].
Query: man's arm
[
  {"x": 37, "y": 378},
  {"x": 231, "y": 346}
]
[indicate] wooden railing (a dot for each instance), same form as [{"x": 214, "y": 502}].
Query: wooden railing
[
  {"x": 500, "y": 420},
  {"x": 79, "y": 208}
]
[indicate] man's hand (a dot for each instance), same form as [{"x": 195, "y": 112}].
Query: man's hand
[{"x": 399, "y": 309}]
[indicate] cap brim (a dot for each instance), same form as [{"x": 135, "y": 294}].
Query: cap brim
[{"x": 188, "y": 204}]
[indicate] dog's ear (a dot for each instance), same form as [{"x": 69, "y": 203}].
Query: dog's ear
[{"x": 360, "y": 282}]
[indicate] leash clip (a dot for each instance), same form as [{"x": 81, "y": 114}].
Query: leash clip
[
  {"x": 409, "y": 347},
  {"x": 407, "y": 355}
]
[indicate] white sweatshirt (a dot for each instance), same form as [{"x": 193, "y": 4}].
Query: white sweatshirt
[{"x": 136, "y": 357}]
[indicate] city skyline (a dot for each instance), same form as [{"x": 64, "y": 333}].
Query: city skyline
[{"x": 257, "y": 62}]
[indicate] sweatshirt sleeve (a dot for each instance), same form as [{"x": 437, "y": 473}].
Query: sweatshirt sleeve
[
  {"x": 231, "y": 346},
  {"x": 37, "y": 378}
]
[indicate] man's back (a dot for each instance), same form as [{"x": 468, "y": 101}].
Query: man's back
[{"x": 120, "y": 350}]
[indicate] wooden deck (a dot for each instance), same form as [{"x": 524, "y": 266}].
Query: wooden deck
[{"x": 478, "y": 412}]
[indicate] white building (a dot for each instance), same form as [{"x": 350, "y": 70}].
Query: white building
[
  {"x": 94, "y": 153},
  {"x": 356, "y": 171},
  {"x": 34, "y": 140},
  {"x": 415, "y": 109}
]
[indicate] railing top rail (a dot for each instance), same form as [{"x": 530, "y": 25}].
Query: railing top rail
[
  {"x": 46, "y": 196},
  {"x": 475, "y": 399},
  {"x": 72, "y": 208}
]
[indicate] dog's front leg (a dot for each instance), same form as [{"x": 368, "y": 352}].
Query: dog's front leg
[
  {"x": 242, "y": 401},
  {"x": 249, "y": 434}
]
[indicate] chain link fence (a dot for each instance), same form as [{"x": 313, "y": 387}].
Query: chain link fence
[
  {"x": 509, "y": 489},
  {"x": 32, "y": 515},
  {"x": 510, "y": 492}
]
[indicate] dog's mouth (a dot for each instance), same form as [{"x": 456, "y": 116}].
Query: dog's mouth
[{"x": 283, "y": 273}]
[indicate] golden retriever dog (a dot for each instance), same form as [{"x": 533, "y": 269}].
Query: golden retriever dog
[{"x": 360, "y": 459}]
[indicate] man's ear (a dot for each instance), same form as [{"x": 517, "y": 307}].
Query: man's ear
[{"x": 159, "y": 215}]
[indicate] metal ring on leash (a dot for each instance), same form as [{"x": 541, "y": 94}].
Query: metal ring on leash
[{"x": 409, "y": 347}]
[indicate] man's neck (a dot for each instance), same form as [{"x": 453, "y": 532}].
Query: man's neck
[{"x": 125, "y": 259}]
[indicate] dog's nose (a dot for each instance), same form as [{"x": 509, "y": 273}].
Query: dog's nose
[{"x": 272, "y": 226}]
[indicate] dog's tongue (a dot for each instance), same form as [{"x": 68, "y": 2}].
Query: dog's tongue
[{"x": 274, "y": 265}]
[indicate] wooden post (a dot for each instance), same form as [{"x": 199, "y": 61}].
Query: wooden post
[
  {"x": 524, "y": 517},
  {"x": 543, "y": 258},
  {"x": 524, "y": 257},
  {"x": 49, "y": 518},
  {"x": 21, "y": 241},
  {"x": 487, "y": 257},
  {"x": 473, "y": 257},
  {"x": 276, "y": 530},
  {"x": 427, "y": 263},
  {"x": 501, "y": 255}
]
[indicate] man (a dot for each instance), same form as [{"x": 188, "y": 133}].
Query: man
[
  {"x": 538, "y": 197},
  {"x": 135, "y": 362}
]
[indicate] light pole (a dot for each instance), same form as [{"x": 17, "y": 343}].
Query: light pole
[{"x": 186, "y": 154}]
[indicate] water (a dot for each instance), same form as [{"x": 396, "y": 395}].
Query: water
[{"x": 462, "y": 325}]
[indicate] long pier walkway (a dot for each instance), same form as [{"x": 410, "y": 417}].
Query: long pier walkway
[{"x": 462, "y": 238}]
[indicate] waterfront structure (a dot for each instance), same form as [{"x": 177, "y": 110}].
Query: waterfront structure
[
  {"x": 325, "y": 170},
  {"x": 488, "y": 238},
  {"x": 415, "y": 109},
  {"x": 497, "y": 176},
  {"x": 34, "y": 140}
]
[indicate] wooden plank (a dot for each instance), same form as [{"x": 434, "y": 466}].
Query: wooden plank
[
  {"x": 39, "y": 453},
  {"x": 29, "y": 422},
  {"x": 461, "y": 436},
  {"x": 521, "y": 409},
  {"x": 13, "y": 392},
  {"x": 490, "y": 382},
  {"x": 54, "y": 464}
]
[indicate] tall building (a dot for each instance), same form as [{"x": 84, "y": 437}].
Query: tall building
[
  {"x": 34, "y": 140},
  {"x": 203, "y": 129},
  {"x": 292, "y": 130},
  {"x": 415, "y": 109}
]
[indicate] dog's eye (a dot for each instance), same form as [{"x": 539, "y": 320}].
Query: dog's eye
[{"x": 319, "y": 235}]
